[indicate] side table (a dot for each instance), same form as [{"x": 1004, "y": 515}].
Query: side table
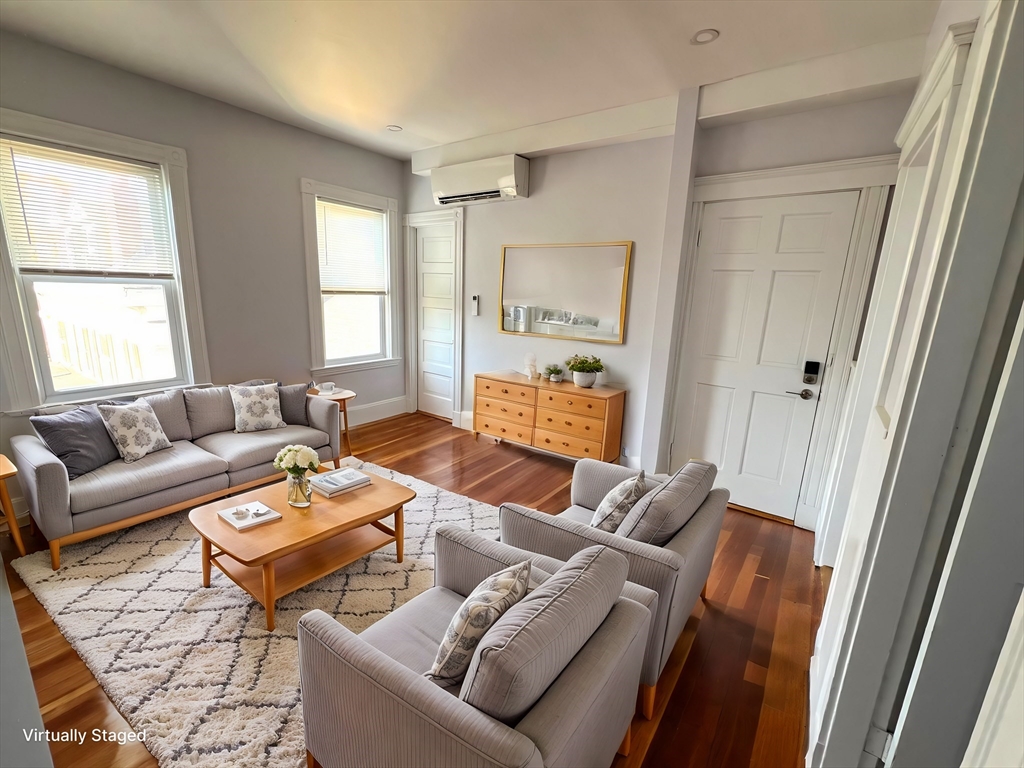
[
  {"x": 342, "y": 396},
  {"x": 7, "y": 469}
]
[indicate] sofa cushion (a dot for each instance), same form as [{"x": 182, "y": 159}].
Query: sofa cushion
[
  {"x": 293, "y": 403},
  {"x": 246, "y": 449},
  {"x": 78, "y": 438},
  {"x": 257, "y": 408},
  {"x": 659, "y": 515},
  {"x": 530, "y": 645},
  {"x": 135, "y": 429},
  {"x": 578, "y": 513},
  {"x": 616, "y": 504},
  {"x": 412, "y": 634},
  {"x": 169, "y": 408},
  {"x": 209, "y": 410},
  {"x": 182, "y": 463}
]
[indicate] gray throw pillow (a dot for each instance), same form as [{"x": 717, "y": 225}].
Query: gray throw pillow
[
  {"x": 209, "y": 410},
  {"x": 616, "y": 504},
  {"x": 484, "y": 606},
  {"x": 530, "y": 645},
  {"x": 135, "y": 429},
  {"x": 659, "y": 515},
  {"x": 257, "y": 408},
  {"x": 169, "y": 408},
  {"x": 78, "y": 438},
  {"x": 293, "y": 403}
]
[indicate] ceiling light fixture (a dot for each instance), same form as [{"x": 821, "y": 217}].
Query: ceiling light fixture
[
  {"x": 393, "y": 128},
  {"x": 704, "y": 36}
]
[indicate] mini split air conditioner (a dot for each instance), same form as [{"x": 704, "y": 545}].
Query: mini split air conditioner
[{"x": 497, "y": 178}]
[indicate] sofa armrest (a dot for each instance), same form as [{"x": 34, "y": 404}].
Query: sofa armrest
[
  {"x": 44, "y": 482},
  {"x": 325, "y": 415},
  {"x": 463, "y": 559},
  {"x": 357, "y": 702},
  {"x": 592, "y": 479}
]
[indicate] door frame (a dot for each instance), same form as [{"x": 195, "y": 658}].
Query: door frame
[
  {"x": 411, "y": 222},
  {"x": 872, "y": 177}
]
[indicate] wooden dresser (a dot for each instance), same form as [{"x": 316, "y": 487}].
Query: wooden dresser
[{"x": 561, "y": 418}]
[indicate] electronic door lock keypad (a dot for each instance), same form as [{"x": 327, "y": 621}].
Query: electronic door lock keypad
[{"x": 812, "y": 369}]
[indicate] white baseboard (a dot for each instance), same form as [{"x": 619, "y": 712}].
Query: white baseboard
[
  {"x": 465, "y": 420},
  {"x": 382, "y": 409}
]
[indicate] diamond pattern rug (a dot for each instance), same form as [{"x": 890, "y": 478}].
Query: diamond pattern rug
[{"x": 196, "y": 669}]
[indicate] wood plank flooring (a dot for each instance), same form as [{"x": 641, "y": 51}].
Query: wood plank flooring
[{"x": 734, "y": 692}]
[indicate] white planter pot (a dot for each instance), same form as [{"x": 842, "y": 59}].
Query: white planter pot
[{"x": 585, "y": 380}]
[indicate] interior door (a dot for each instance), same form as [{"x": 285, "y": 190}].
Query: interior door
[
  {"x": 766, "y": 288},
  {"x": 435, "y": 312}
]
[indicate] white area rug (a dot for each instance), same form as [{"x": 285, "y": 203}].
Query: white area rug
[{"x": 196, "y": 669}]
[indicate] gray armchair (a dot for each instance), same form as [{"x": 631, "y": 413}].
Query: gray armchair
[
  {"x": 366, "y": 702},
  {"x": 677, "y": 571}
]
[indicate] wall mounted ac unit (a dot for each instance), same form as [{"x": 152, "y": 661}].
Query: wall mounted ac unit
[{"x": 497, "y": 178}]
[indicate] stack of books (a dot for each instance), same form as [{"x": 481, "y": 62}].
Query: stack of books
[{"x": 338, "y": 481}]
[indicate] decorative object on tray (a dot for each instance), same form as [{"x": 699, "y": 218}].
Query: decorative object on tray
[
  {"x": 530, "y": 365},
  {"x": 250, "y": 515},
  {"x": 297, "y": 460},
  {"x": 338, "y": 481},
  {"x": 553, "y": 373},
  {"x": 584, "y": 369}
]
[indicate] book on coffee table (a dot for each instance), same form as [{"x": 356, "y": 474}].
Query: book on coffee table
[
  {"x": 338, "y": 481},
  {"x": 248, "y": 515}
]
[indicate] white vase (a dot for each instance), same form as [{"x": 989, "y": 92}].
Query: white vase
[{"x": 584, "y": 379}]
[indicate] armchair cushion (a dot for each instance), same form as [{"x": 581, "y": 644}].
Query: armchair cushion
[
  {"x": 78, "y": 438},
  {"x": 530, "y": 645},
  {"x": 661, "y": 513},
  {"x": 620, "y": 500},
  {"x": 412, "y": 633}
]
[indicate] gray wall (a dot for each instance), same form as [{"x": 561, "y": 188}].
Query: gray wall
[
  {"x": 593, "y": 195},
  {"x": 244, "y": 173}
]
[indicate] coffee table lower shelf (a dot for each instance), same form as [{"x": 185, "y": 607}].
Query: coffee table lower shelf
[{"x": 281, "y": 577}]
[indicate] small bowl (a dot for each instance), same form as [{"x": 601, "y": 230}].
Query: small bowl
[{"x": 240, "y": 514}]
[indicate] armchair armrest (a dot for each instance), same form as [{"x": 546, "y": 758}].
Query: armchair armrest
[
  {"x": 592, "y": 479},
  {"x": 44, "y": 482},
  {"x": 355, "y": 700},
  {"x": 463, "y": 559},
  {"x": 325, "y": 415}
]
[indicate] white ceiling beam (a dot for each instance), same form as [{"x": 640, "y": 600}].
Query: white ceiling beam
[
  {"x": 864, "y": 73},
  {"x": 644, "y": 120}
]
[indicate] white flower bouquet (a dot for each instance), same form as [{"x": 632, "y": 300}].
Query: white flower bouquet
[{"x": 297, "y": 460}]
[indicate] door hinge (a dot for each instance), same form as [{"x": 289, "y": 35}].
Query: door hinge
[
  {"x": 698, "y": 238},
  {"x": 878, "y": 743}
]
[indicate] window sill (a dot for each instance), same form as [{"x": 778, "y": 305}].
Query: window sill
[{"x": 363, "y": 365}]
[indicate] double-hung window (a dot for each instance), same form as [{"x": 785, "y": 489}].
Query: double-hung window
[
  {"x": 351, "y": 306},
  {"x": 90, "y": 244}
]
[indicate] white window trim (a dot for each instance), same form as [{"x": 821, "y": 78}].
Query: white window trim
[
  {"x": 392, "y": 358},
  {"x": 22, "y": 389}
]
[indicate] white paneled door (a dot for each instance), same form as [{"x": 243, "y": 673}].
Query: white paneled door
[
  {"x": 435, "y": 310},
  {"x": 766, "y": 287}
]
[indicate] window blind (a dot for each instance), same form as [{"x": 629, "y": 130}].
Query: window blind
[
  {"x": 70, "y": 212},
  {"x": 351, "y": 249}
]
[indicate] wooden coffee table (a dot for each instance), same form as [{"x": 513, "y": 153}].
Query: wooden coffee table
[{"x": 275, "y": 559}]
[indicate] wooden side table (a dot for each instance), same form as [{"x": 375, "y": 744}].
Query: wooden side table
[
  {"x": 7, "y": 469},
  {"x": 341, "y": 396}
]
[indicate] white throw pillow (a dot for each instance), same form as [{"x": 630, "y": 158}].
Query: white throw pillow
[
  {"x": 616, "y": 505},
  {"x": 134, "y": 428},
  {"x": 256, "y": 407},
  {"x": 484, "y": 606}
]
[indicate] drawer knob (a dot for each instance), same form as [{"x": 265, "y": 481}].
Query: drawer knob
[
  {"x": 504, "y": 410},
  {"x": 547, "y": 440},
  {"x": 587, "y": 427},
  {"x": 586, "y": 450},
  {"x": 504, "y": 391},
  {"x": 520, "y": 434},
  {"x": 566, "y": 445},
  {"x": 502, "y": 429},
  {"x": 568, "y": 423},
  {"x": 589, "y": 405},
  {"x": 520, "y": 413},
  {"x": 568, "y": 402}
]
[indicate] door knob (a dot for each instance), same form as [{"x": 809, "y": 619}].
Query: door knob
[{"x": 805, "y": 394}]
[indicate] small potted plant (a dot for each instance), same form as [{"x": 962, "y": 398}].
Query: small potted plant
[
  {"x": 584, "y": 369},
  {"x": 554, "y": 373}
]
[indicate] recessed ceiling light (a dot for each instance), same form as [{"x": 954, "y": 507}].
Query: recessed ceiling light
[
  {"x": 394, "y": 128},
  {"x": 704, "y": 36}
]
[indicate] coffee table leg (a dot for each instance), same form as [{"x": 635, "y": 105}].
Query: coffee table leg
[
  {"x": 12, "y": 521},
  {"x": 400, "y": 533},
  {"x": 206, "y": 560},
  {"x": 268, "y": 593}
]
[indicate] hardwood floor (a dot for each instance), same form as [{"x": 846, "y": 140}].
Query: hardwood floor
[{"x": 733, "y": 694}]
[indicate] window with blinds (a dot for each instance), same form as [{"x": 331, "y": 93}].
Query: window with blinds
[
  {"x": 352, "y": 254},
  {"x": 91, "y": 240}
]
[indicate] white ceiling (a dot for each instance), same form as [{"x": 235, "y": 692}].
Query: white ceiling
[{"x": 449, "y": 71}]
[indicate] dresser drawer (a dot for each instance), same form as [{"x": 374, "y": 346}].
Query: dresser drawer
[
  {"x": 570, "y": 424},
  {"x": 567, "y": 445},
  {"x": 573, "y": 403},
  {"x": 505, "y": 410},
  {"x": 515, "y": 433},
  {"x": 504, "y": 391}
]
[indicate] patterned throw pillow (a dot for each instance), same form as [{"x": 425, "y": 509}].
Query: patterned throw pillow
[
  {"x": 256, "y": 408},
  {"x": 616, "y": 505},
  {"x": 134, "y": 428},
  {"x": 484, "y": 606}
]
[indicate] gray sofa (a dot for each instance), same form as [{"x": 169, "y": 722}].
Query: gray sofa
[
  {"x": 366, "y": 702},
  {"x": 206, "y": 460},
  {"x": 677, "y": 571}
]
